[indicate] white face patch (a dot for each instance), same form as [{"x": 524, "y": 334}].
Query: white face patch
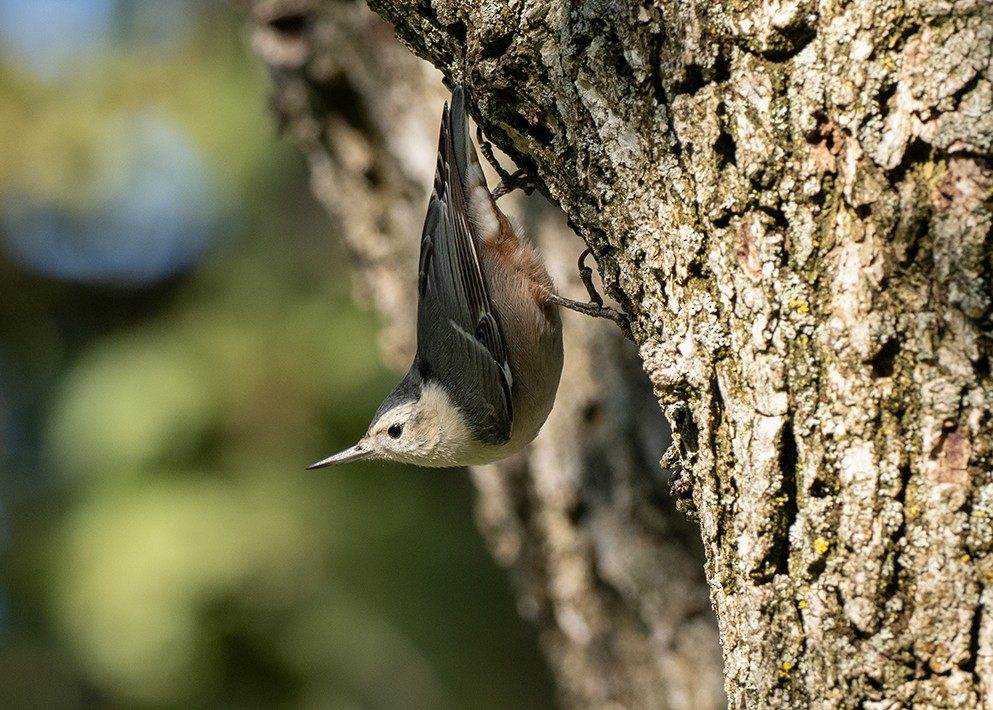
[{"x": 428, "y": 432}]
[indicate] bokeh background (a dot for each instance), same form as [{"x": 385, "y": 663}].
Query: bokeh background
[{"x": 177, "y": 342}]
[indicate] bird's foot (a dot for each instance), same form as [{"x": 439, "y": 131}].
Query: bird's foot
[
  {"x": 595, "y": 307},
  {"x": 518, "y": 180}
]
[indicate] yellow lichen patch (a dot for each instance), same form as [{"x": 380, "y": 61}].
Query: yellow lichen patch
[{"x": 785, "y": 670}]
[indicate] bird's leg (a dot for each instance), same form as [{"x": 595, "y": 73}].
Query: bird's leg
[
  {"x": 586, "y": 274},
  {"x": 595, "y": 311},
  {"x": 517, "y": 180},
  {"x": 595, "y": 307},
  {"x": 508, "y": 182}
]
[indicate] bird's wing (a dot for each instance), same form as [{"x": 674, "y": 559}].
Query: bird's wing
[{"x": 459, "y": 339}]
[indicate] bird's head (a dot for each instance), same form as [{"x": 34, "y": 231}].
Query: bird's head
[{"x": 426, "y": 430}]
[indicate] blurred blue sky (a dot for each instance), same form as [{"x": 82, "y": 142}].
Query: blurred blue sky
[
  {"x": 149, "y": 207},
  {"x": 153, "y": 213},
  {"x": 56, "y": 39}
]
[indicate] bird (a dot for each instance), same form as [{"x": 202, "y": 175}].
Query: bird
[{"x": 489, "y": 335}]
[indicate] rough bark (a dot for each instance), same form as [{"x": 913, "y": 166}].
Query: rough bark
[{"x": 793, "y": 202}]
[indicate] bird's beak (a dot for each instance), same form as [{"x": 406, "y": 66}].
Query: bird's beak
[{"x": 356, "y": 453}]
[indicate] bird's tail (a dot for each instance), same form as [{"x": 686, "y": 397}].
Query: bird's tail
[
  {"x": 466, "y": 158},
  {"x": 488, "y": 221}
]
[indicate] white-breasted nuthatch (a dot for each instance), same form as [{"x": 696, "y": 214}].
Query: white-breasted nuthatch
[{"x": 489, "y": 337}]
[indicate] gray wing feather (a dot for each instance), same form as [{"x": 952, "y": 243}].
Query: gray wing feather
[{"x": 459, "y": 340}]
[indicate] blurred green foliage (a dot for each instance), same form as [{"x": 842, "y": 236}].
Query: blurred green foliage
[{"x": 161, "y": 545}]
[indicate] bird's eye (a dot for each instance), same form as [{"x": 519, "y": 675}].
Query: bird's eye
[{"x": 395, "y": 431}]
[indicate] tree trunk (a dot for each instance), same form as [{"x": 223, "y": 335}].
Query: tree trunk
[{"x": 793, "y": 202}]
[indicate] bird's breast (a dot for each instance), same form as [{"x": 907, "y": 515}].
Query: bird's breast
[{"x": 532, "y": 331}]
